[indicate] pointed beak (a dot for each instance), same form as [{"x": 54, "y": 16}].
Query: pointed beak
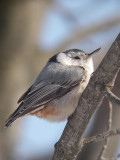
[{"x": 91, "y": 54}]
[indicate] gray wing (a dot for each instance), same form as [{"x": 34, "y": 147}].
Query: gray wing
[{"x": 54, "y": 81}]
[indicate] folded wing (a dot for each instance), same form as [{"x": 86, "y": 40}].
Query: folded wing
[{"x": 51, "y": 83}]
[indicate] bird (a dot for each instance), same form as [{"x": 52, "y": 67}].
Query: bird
[{"x": 55, "y": 93}]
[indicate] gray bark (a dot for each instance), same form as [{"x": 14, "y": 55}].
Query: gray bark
[{"x": 100, "y": 126}]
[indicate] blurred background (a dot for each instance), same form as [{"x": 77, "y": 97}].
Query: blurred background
[{"x": 31, "y": 31}]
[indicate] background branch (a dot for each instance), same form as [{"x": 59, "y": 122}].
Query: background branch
[
  {"x": 100, "y": 137},
  {"x": 109, "y": 127},
  {"x": 81, "y": 33},
  {"x": 69, "y": 145}
]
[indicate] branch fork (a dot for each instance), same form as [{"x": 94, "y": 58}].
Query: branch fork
[{"x": 111, "y": 96}]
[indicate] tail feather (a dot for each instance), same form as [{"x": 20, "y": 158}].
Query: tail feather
[
  {"x": 16, "y": 114},
  {"x": 9, "y": 121}
]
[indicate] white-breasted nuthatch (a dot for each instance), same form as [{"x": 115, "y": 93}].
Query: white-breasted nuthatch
[{"x": 55, "y": 93}]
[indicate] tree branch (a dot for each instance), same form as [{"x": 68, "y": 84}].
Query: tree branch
[
  {"x": 112, "y": 97},
  {"x": 100, "y": 137},
  {"x": 106, "y": 142},
  {"x": 69, "y": 144}
]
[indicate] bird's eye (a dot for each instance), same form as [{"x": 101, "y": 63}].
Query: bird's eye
[{"x": 76, "y": 57}]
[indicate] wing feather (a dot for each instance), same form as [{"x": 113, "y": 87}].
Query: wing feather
[{"x": 54, "y": 81}]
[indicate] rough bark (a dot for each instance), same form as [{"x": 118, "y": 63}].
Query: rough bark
[
  {"x": 69, "y": 145},
  {"x": 100, "y": 126}
]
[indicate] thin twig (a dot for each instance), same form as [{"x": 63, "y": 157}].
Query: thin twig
[
  {"x": 100, "y": 137},
  {"x": 112, "y": 158},
  {"x": 108, "y": 93},
  {"x": 101, "y": 155},
  {"x": 112, "y": 97}
]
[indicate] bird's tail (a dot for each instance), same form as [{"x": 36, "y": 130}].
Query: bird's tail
[{"x": 16, "y": 114}]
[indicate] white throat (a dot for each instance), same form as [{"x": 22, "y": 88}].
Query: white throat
[{"x": 89, "y": 66}]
